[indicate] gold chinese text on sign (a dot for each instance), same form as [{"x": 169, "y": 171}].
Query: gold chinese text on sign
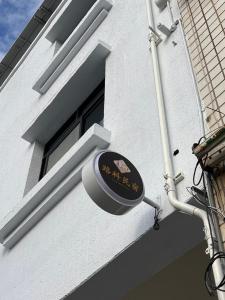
[{"x": 119, "y": 177}]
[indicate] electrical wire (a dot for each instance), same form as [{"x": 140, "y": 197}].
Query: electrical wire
[
  {"x": 194, "y": 175},
  {"x": 210, "y": 210},
  {"x": 214, "y": 209},
  {"x": 210, "y": 216},
  {"x": 200, "y": 162},
  {"x": 208, "y": 277},
  {"x": 207, "y": 135},
  {"x": 215, "y": 110},
  {"x": 156, "y": 225}
]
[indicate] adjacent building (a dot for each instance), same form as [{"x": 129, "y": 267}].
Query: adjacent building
[{"x": 82, "y": 82}]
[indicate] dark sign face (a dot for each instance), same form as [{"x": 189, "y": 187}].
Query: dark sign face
[{"x": 120, "y": 175}]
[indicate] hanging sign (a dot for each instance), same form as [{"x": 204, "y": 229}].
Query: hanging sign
[{"x": 113, "y": 182}]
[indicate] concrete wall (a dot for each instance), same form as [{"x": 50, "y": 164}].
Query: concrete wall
[{"x": 76, "y": 238}]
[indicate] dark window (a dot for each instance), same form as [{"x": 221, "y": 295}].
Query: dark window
[{"x": 90, "y": 112}]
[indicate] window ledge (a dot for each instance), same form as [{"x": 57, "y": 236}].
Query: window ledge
[
  {"x": 64, "y": 100},
  {"x": 73, "y": 44},
  {"x": 52, "y": 188}
]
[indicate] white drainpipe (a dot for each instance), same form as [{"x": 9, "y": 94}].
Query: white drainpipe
[{"x": 168, "y": 165}]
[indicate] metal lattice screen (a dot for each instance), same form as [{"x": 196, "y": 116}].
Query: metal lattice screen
[
  {"x": 203, "y": 22},
  {"x": 204, "y": 27}
]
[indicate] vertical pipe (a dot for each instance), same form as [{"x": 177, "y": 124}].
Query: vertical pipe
[
  {"x": 170, "y": 12},
  {"x": 202, "y": 125},
  {"x": 169, "y": 174},
  {"x": 214, "y": 218}
]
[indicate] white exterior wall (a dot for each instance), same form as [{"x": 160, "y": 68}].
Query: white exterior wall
[{"x": 76, "y": 238}]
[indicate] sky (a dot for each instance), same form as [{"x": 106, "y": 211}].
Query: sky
[{"x": 14, "y": 15}]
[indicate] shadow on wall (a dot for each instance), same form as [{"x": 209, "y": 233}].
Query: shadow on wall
[
  {"x": 183, "y": 279},
  {"x": 149, "y": 255}
]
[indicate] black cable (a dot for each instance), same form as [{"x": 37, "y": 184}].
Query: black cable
[
  {"x": 194, "y": 175},
  {"x": 206, "y": 136},
  {"x": 191, "y": 192},
  {"x": 208, "y": 211},
  {"x": 200, "y": 162},
  {"x": 156, "y": 225},
  {"x": 215, "y": 110},
  {"x": 208, "y": 277},
  {"x": 201, "y": 138}
]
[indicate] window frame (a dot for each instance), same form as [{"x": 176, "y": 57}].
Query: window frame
[{"x": 78, "y": 117}]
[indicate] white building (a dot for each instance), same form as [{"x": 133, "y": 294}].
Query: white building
[{"x": 91, "y": 63}]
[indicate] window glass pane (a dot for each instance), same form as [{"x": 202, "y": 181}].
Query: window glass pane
[
  {"x": 90, "y": 112},
  {"x": 94, "y": 116},
  {"x": 63, "y": 147}
]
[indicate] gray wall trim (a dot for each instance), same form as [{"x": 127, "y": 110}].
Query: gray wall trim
[
  {"x": 72, "y": 46},
  {"x": 71, "y": 95},
  {"x": 53, "y": 187}
]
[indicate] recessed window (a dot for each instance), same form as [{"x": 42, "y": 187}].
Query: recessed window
[{"x": 90, "y": 112}]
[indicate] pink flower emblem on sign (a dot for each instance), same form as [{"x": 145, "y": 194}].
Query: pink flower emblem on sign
[{"x": 121, "y": 165}]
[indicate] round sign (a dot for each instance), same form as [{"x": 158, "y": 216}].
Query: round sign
[{"x": 113, "y": 182}]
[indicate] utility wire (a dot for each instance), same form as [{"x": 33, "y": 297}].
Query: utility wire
[
  {"x": 208, "y": 277},
  {"x": 215, "y": 110}
]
